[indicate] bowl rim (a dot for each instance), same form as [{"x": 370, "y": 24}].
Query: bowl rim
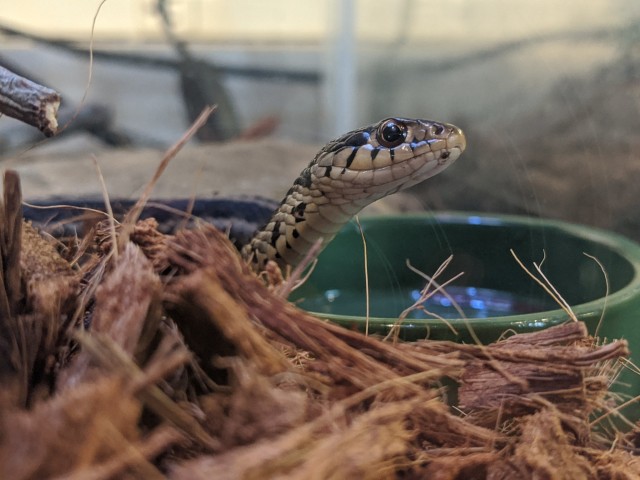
[{"x": 623, "y": 246}]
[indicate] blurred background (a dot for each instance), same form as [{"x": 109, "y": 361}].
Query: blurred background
[{"x": 547, "y": 92}]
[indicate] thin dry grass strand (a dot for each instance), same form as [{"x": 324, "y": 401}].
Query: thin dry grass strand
[
  {"x": 506, "y": 334},
  {"x": 411, "y": 380},
  {"x": 109, "y": 355},
  {"x": 192, "y": 198},
  {"x": 431, "y": 280},
  {"x": 556, "y": 295},
  {"x": 63, "y": 206},
  {"x": 605, "y": 369},
  {"x": 563, "y": 303},
  {"x": 130, "y": 456},
  {"x": 437, "y": 317},
  {"x": 136, "y": 210},
  {"x": 135, "y": 456},
  {"x": 629, "y": 365},
  {"x": 464, "y": 318},
  {"x": 295, "y": 279},
  {"x": 616, "y": 412},
  {"x": 87, "y": 295},
  {"x": 552, "y": 291},
  {"x": 606, "y": 293},
  {"x": 303, "y": 280},
  {"x": 186, "y": 214},
  {"x": 86, "y": 88},
  {"x": 546, "y": 285},
  {"x": 366, "y": 276},
  {"x": 81, "y": 245},
  {"x": 439, "y": 288},
  {"x": 86, "y": 238},
  {"x": 338, "y": 408},
  {"x": 425, "y": 294},
  {"x": 107, "y": 205},
  {"x": 90, "y": 75}
]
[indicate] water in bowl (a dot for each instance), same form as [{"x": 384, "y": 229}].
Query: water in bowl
[{"x": 474, "y": 302}]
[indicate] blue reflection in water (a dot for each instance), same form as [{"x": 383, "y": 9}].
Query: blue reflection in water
[
  {"x": 538, "y": 324},
  {"x": 331, "y": 295},
  {"x": 475, "y": 302},
  {"x": 478, "y": 304},
  {"x": 478, "y": 220},
  {"x": 445, "y": 302}
]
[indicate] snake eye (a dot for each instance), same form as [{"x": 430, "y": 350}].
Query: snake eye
[{"x": 392, "y": 133}]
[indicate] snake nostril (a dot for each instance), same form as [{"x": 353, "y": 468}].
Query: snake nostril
[
  {"x": 438, "y": 129},
  {"x": 444, "y": 155}
]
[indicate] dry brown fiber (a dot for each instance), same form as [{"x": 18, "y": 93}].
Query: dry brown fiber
[{"x": 193, "y": 368}]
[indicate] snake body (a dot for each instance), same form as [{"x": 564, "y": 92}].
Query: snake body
[{"x": 348, "y": 174}]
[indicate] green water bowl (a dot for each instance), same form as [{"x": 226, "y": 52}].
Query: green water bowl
[{"x": 494, "y": 292}]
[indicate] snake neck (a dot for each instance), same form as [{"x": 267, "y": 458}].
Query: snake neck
[{"x": 301, "y": 220}]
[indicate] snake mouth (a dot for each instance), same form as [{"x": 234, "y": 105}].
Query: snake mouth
[
  {"x": 456, "y": 143},
  {"x": 456, "y": 139}
]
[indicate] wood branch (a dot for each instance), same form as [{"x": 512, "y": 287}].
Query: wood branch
[
  {"x": 13, "y": 390},
  {"x": 10, "y": 242},
  {"x": 29, "y": 102},
  {"x": 307, "y": 76}
]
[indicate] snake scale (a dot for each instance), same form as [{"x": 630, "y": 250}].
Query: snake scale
[{"x": 346, "y": 175}]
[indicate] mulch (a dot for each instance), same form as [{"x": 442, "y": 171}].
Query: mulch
[{"x": 134, "y": 354}]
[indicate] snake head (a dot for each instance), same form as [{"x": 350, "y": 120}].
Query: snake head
[{"x": 372, "y": 162}]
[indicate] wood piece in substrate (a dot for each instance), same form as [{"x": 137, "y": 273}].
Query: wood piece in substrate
[
  {"x": 553, "y": 369},
  {"x": 615, "y": 463},
  {"x": 11, "y": 244},
  {"x": 458, "y": 466},
  {"x": 12, "y": 374},
  {"x": 50, "y": 293},
  {"x": 37, "y": 289},
  {"x": 73, "y": 429},
  {"x": 366, "y": 447},
  {"x": 144, "y": 234},
  {"x": 135, "y": 461},
  {"x": 29, "y": 102},
  {"x": 544, "y": 450},
  {"x": 566, "y": 333},
  {"x": 572, "y": 346},
  {"x": 127, "y": 309},
  {"x": 51, "y": 284},
  {"x": 255, "y": 407},
  {"x": 395, "y": 437},
  {"x": 215, "y": 324},
  {"x": 436, "y": 427}
]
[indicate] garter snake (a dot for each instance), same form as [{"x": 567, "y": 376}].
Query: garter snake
[{"x": 348, "y": 174}]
